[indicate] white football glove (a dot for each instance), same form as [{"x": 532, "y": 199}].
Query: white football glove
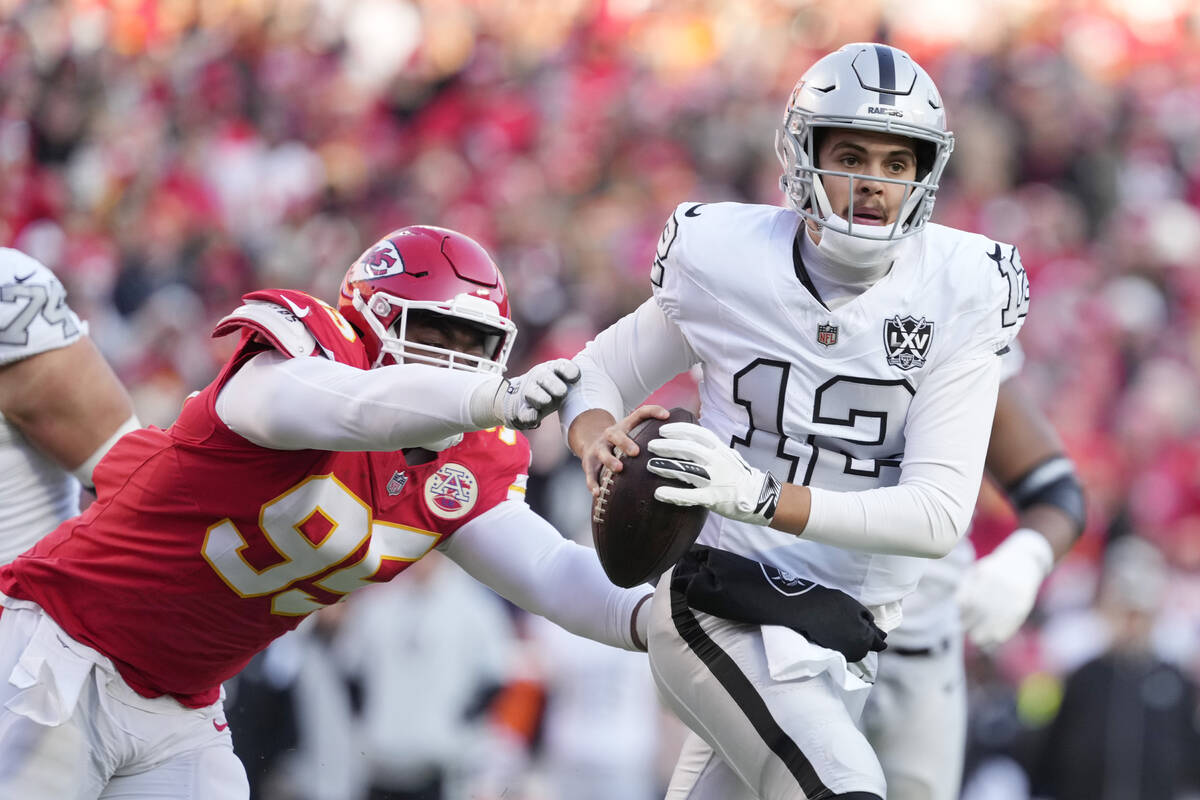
[
  {"x": 524, "y": 401},
  {"x": 723, "y": 481},
  {"x": 998, "y": 591}
]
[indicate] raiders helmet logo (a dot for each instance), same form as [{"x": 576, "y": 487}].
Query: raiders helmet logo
[
  {"x": 906, "y": 341},
  {"x": 785, "y": 582}
]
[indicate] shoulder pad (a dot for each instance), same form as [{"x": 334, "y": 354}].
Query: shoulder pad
[
  {"x": 323, "y": 329},
  {"x": 34, "y": 315},
  {"x": 18, "y": 268},
  {"x": 670, "y": 233},
  {"x": 278, "y": 325}
]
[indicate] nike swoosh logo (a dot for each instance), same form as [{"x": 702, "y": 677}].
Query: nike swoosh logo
[
  {"x": 692, "y": 212},
  {"x": 299, "y": 312},
  {"x": 220, "y": 726},
  {"x": 27, "y": 277}
]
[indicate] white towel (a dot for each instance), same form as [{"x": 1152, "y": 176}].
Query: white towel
[
  {"x": 52, "y": 668},
  {"x": 791, "y": 657}
]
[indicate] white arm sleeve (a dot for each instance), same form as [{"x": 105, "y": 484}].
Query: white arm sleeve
[
  {"x": 316, "y": 403},
  {"x": 930, "y": 509},
  {"x": 527, "y": 561},
  {"x": 84, "y": 471},
  {"x": 627, "y": 362}
]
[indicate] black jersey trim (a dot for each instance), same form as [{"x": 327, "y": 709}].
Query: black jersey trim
[{"x": 801, "y": 270}]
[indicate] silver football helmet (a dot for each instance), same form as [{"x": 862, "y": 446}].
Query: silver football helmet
[{"x": 873, "y": 87}]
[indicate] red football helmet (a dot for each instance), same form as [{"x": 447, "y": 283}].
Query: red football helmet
[{"x": 428, "y": 269}]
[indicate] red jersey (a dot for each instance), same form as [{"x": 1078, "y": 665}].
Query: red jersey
[{"x": 202, "y": 547}]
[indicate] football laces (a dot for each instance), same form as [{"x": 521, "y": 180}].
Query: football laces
[{"x": 600, "y": 506}]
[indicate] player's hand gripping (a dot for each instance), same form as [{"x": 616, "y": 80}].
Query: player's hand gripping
[
  {"x": 723, "y": 481},
  {"x": 523, "y": 402},
  {"x": 998, "y": 591},
  {"x": 601, "y": 443}
]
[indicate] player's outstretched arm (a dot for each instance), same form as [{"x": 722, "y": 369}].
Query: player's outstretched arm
[
  {"x": 525, "y": 560},
  {"x": 1026, "y": 457},
  {"x": 69, "y": 403},
  {"x": 316, "y": 403}
]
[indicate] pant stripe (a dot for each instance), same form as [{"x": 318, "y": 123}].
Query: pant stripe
[{"x": 731, "y": 677}]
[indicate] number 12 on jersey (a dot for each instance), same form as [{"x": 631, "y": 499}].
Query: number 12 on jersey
[{"x": 863, "y": 417}]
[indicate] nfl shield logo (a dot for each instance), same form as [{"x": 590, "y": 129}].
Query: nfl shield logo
[
  {"x": 907, "y": 341},
  {"x": 827, "y": 335},
  {"x": 396, "y": 484}
]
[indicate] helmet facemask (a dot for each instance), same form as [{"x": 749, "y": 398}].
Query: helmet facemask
[
  {"x": 389, "y": 318},
  {"x": 796, "y": 146}
]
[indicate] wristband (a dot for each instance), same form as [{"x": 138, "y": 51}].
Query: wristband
[{"x": 633, "y": 618}]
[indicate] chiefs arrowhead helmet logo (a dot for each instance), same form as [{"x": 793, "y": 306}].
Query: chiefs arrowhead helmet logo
[{"x": 383, "y": 259}]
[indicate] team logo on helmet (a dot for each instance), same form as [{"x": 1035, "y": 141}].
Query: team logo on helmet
[
  {"x": 827, "y": 334},
  {"x": 784, "y": 582},
  {"x": 451, "y": 492},
  {"x": 382, "y": 259},
  {"x": 907, "y": 341}
]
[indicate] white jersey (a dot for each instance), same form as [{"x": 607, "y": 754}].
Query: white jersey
[
  {"x": 35, "y": 493},
  {"x": 930, "y": 614},
  {"x": 809, "y": 393}
]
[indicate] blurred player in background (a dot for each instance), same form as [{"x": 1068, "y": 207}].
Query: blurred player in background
[
  {"x": 61, "y": 406},
  {"x": 850, "y": 356},
  {"x": 1126, "y": 726},
  {"x": 335, "y": 448},
  {"x": 916, "y": 716}
]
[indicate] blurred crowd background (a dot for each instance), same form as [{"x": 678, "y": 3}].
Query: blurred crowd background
[{"x": 166, "y": 157}]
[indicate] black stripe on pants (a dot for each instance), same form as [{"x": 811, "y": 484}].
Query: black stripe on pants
[{"x": 739, "y": 687}]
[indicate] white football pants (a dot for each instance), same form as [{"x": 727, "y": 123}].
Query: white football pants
[
  {"x": 72, "y": 729},
  {"x": 755, "y": 736},
  {"x": 916, "y": 719}
]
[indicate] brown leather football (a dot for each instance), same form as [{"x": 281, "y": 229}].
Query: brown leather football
[{"x": 637, "y": 537}]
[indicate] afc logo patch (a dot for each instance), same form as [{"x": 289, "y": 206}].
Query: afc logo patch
[
  {"x": 784, "y": 582},
  {"x": 906, "y": 341},
  {"x": 451, "y": 492}
]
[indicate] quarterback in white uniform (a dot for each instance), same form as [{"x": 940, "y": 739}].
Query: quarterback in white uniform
[
  {"x": 850, "y": 372},
  {"x": 61, "y": 406},
  {"x": 916, "y": 716}
]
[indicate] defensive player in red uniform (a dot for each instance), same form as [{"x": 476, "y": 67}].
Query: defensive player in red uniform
[{"x": 335, "y": 448}]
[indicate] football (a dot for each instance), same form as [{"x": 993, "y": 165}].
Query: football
[{"x": 637, "y": 537}]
